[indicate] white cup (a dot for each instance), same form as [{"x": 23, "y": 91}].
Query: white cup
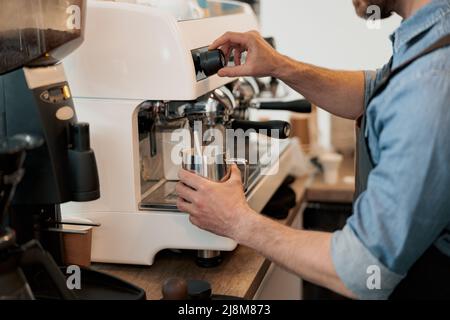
[{"x": 331, "y": 163}]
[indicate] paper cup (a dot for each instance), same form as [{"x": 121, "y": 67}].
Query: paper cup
[
  {"x": 78, "y": 247},
  {"x": 331, "y": 163}
]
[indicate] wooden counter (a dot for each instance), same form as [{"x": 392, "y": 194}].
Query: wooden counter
[{"x": 242, "y": 270}]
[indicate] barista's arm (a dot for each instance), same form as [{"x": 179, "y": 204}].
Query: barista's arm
[
  {"x": 339, "y": 92},
  {"x": 305, "y": 253},
  {"x": 222, "y": 209}
]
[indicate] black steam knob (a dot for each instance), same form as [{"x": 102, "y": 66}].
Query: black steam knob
[{"x": 209, "y": 62}]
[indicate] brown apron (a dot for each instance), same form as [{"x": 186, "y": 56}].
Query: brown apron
[{"x": 429, "y": 277}]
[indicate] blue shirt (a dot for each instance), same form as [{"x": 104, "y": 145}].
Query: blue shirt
[{"x": 406, "y": 207}]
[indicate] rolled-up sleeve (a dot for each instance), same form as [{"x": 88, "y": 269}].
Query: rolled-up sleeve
[
  {"x": 356, "y": 267},
  {"x": 372, "y": 78}
]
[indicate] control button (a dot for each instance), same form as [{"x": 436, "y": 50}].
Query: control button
[
  {"x": 65, "y": 113},
  {"x": 66, "y": 92},
  {"x": 45, "y": 96}
]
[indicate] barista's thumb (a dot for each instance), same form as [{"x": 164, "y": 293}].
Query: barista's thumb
[{"x": 235, "y": 174}]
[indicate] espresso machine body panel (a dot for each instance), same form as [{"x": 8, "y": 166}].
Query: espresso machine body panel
[
  {"x": 150, "y": 65},
  {"x": 150, "y": 55}
]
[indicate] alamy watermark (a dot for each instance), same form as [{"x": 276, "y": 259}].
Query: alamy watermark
[
  {"x": 373, "y": 14},
  {"x": 256, "y": 147},
  {"x": 373, "y": 281},
  {"x": 74, "y": 20},
  {"x": 73, "y": 281}
]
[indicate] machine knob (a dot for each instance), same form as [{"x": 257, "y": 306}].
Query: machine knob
[{"x": 210, "y": 62}]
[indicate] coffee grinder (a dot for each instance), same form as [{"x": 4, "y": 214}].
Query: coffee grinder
[{"x": 35, "y": 99}]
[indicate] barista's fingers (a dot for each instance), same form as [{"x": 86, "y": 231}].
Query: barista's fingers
[
  {"x": 226, "y": 49},
  {"x": 236, "y": 71},
  {"x": 185, "y": 192},
  {"x": 230, "y": 37},
  {"x": 185, "y": 206},
  {"x": 237, "y": 56},
  {"x": 191, "y": 179}
]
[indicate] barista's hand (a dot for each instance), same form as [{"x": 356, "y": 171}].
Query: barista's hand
[
  {"x": 261, "y": 61},
  {"x": 220, "y": 208}
]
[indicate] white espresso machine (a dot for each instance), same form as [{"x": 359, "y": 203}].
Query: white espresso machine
[{"x": 138, "y": 76}]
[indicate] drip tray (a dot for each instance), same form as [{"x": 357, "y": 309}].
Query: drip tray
[{"x": 164, "y": 198}]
